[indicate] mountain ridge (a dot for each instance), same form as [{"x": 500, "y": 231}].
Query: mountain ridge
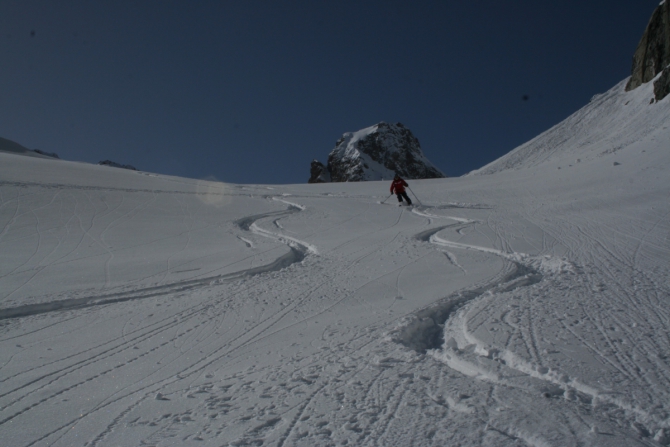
[{"x": 377, "y": 152}]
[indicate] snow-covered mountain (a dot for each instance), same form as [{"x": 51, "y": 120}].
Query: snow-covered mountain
[
  {"x": 529, "y": 307},
  {"x": 611, "y": 122},
  {"x": 15, "y": 148},
  {"x": 375, "y": 153},
  {"x": 526, "y": 307},
  {"x": 627, "y": 114}
]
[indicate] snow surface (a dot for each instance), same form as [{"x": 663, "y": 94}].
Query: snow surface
[
  {"x": 529, "y": 307},
  {"x": 610, "y": 122}
]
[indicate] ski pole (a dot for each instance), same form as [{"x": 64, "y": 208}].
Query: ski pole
[
  {"x": 387, "y": 198},
  {"x": 417, "y": 199}
]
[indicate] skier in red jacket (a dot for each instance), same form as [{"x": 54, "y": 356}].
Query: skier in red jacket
[{"x": 398, "y": 186}]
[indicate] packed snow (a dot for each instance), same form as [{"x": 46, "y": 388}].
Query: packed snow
[{"x": 529, "y": 307}]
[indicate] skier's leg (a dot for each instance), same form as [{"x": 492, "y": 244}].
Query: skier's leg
[
  {"x": 409, "y": 201},
  {"x": 399, "y": 197}
]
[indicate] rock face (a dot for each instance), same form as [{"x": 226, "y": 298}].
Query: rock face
[
  {"x": 375, "y": 153},
  {"x": 652, "y": 55},
  {"x": 318, "y": 173},
  {"x": 662, "y": 85}
]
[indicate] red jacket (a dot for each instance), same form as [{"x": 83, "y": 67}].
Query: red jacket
[{"x": 399, "y": 186}]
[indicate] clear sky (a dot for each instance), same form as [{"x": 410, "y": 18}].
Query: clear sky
[{"x": 251, "y": 91}]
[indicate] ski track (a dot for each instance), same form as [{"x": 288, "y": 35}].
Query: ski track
[
  {"x": 99, "y": 357},
  {"x": 623, "y": 363},
  {"x": 60, "y": 374},
  {"x": 364, "y": 390},
  {"x": 29, "y": 310}
]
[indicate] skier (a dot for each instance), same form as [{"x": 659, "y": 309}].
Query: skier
[{"x": 398, "y": 186}]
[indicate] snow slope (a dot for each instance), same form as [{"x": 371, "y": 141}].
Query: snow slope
[
  {"x": 529, "y": 307},
  {"x": 9, "y": 146},
  {"x": 610, "y": 122}
]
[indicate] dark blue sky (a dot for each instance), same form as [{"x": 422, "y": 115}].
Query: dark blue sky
[{"x": 251, "y": 91}]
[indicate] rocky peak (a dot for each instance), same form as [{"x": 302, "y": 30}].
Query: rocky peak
[
  {"x": 652, "y": 55},
  {"x": 375, "y": 153}
]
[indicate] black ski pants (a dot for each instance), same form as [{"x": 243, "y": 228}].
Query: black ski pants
[{"x": 403, "y": 194}]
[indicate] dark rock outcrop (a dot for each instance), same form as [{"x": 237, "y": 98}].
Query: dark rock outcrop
[
  {"x": 652, "y": 55},
  {"x": 662, "y": 85},
  {"x": 47, "y": 154},
  {"x": 375, "y": 153},
  {"x": 318, "y": 173},
  {"x": 117, "y": 165}
]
